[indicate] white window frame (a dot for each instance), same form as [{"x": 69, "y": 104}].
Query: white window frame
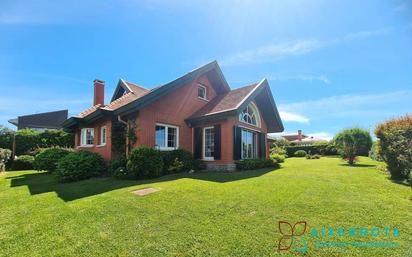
[
  {"x": 103, "y": 139},
  {"x": 166, "y": 148},
  {"x": 201, "y": 86},
  {"x": 83, "y": 137},
  {"x": 254, "y": 139},
  {"x": 257, "y": 115},
  {"x": 204, "y": 145}
]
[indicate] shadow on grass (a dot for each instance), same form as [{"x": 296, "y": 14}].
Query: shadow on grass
[
  {"x": 41, "y": 182},
  {"x": 404, "y": 182},
  {"x": 358, "y": 165}
]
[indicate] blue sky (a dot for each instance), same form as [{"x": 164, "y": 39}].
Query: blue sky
[{"x": 330, "y": 64}]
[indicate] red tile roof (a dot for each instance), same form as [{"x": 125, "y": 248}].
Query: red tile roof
[
  {"x": 227, "y": 102},
  {"x": 137, "y": 92},
  {"x": 89, "y": 111}
]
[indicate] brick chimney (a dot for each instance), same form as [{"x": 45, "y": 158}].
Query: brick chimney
[
  {"x": 299, "y": 135},
  {"x": 98, "y": 97}
]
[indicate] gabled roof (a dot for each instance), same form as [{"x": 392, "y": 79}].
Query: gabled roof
[
  {"x": 123, "y": 87},
  {"x": 211, "y": 70},
  {"x": 236, "y": 101},
  {"x": 129, "y": 97}
]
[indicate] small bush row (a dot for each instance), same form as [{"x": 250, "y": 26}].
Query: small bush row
[
  {"x": 322, "y": 149},
  {"x": 251, "y": 164}
]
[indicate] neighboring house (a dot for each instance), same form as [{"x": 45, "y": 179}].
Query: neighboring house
[
  {"x": 300, "y": 138},
  {"x": 197, "y": 112},
  {"x": 41, "y": 121}
]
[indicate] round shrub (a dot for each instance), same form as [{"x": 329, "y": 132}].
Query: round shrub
[
  {"x": 48, "y": 158},
  {"x": 178, "y": 161},
  {"x": 23, "y": 162},
  {"x": 79, "y": 165},
  {"x": 300, "y": 153},
  {"x": 145, "y": 162},
  {"x": 277, "y": 158}
]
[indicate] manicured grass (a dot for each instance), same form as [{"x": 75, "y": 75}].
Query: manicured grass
[{"x": 215, "y": 214}]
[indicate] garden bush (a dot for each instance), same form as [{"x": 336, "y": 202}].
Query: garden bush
[
  {"x": 23, "y": 162},
  {"x": 374, "y": 153},
  {"x": 277, "y": 158},
  {"x": 48, "y": 158},
  {"x": 176, "y": 161},
  {"x": 116, "y": 163},
  {"x": 395, "y": 141},
  {"x": 251, "y": 164},
  {"x": 5, "y": 155},
  {"x": 300, "y": 153},
  {"x": 80, "y": 165},
  {"x": 144, "y": 162}
]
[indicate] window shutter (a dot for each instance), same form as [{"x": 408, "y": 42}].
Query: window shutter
[
  {"x": 217, "y": 143},
  {"x": 262, "y": 145},
  {"x": 198, "y": 143},
  {"x": 237, "y": 141}
]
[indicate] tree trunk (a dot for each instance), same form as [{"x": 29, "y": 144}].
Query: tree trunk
[{"x": 351, "y": 160}]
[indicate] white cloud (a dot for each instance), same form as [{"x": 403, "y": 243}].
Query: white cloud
[
  {"x": 276, "y": 51},
  {"x": 351, "y": 105},
  {"x": 272, "y": 52},
  {"x": 293, "y": 117},
  {"x": 310, "y": 78}
]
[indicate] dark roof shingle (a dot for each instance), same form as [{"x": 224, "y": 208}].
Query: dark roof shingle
[{"x": 226, "y": 102}]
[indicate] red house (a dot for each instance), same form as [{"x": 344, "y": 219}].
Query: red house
[{"x": 197, "y": 112}]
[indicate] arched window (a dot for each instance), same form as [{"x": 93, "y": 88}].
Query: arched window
[{"x": 250, "y": 115}]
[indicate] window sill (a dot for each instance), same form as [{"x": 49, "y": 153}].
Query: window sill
[
  {"x": 208, "y": 159},
  {"x": 85, "y": 146},
  {"x": 166, "y": 148},
  {"x": 201, "y": 98},
  {"x": 101, "y": 145}
]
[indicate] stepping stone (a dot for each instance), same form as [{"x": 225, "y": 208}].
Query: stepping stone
[{"x": 145, "y": 191}]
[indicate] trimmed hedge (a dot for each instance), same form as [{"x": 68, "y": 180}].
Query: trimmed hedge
[
  {"x": 251, "y": 164},
  {"x": 144, "y": 162},
  {"x": 27, "y": 140},
  {"x": 80, "y": 165},
  {"x": 48, "y": 158},
  {"x": 322, "y": 149},
  {"x": 23, "y": 162}
]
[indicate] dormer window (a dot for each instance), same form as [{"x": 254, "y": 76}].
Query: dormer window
[
  {"x": 201, "y": 92},
  {"x": 250, "y": 115}
]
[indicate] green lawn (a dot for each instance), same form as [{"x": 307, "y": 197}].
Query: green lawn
[{"x": 215, "y": 214}]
